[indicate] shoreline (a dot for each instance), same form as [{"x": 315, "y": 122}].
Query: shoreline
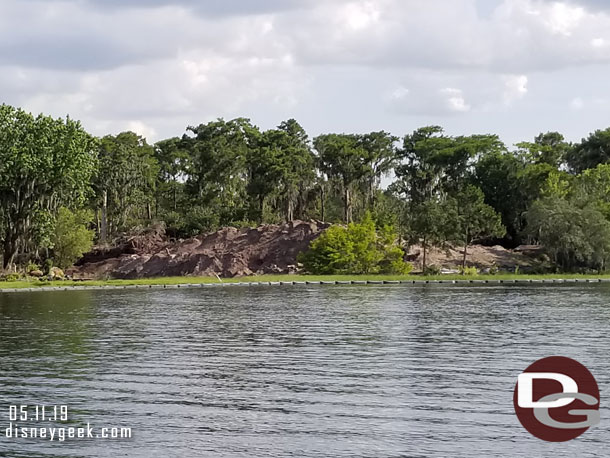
[{"x": 294, "y": 280}]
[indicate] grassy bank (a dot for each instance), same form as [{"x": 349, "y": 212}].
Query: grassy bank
[{"x": 34, "y": 283}]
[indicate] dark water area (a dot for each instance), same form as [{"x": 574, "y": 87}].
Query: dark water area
[{"x": 301, "y": 371}]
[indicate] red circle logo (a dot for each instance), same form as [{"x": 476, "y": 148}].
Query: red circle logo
[{"x": 557, "y": 399}]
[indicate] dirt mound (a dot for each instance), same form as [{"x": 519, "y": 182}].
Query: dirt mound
[
  {"x": 482, "y": 257},
  {"x": 228, "y": 252},
  {"x": 149, "y": 240}
]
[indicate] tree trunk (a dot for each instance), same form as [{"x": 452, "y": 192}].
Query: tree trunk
[
  {"x": 175, "y": 197},
  {"x": 467, "y": 242},
  {"x": 289, "y": 210},
  {"x": 8, "y": 254},
  {"x": 149, "y": 211},
  {"x": 104, "y": 222},
  {"x": 465, "y": 255},
  {"x": 424, "y": 261},
  {"x": 97, "y": 221},
  {"x": 261, "y": 208},
  {"x": 322, "y": 204},
  {"x": 348, "y": 205}
]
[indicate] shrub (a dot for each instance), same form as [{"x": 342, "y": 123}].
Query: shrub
[
  {"x": 11, "y": 277},
  {"x": 357, "y": 249},
  {"x": 469, "y": 271},
  {"x": 31, "y": 267},
  {"x": 47, "y": 266},
  {"x": 432, "y": 270},
  {"x": 71, "y": 238},
  {"x": 331, "y": 253}
]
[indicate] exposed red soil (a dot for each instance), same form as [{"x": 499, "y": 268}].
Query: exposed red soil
[{"x": 229, "y": 252}]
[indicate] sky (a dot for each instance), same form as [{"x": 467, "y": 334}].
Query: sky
[{"x": 511, "y": 67}]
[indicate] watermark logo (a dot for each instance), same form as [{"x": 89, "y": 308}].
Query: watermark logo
[{"x": 557, "y": 399}]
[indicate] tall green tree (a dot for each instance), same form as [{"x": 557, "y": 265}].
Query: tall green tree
[
  {"x": 431, "y": 223},
  {"x": 217, "y": 172},
  {"x": 343, "y": 157},
  {"x": 125, "y": 182},
  {"x": 44, "y": 163},
  {"x": 548, "y": 148},
  {"x": 382, "y": 157},
  {"x": 475, "y": 219},
  {"x": 281, "y": 169},
  {"x": 573, "y": 236},
  {"x": 499, "y": 175},
  {"x": 590, "y": 152},
  {"x": 298, "y": 172},
  {"x": 172, "y": 158},
  {"x": 72, "y": 236}
]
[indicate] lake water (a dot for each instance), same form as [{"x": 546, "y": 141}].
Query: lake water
[{"x": 312, "y": 371}]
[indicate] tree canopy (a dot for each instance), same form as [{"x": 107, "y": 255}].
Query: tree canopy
[{"x": 430, "y": 188}]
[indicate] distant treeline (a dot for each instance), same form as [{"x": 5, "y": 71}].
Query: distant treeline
[{"x": 443, "y": 189}]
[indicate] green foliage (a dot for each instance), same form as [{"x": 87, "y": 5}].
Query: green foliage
[
  {"x": 575, "y": 237},
  {"x": 47, "y": 266},
  {"x": 71, "y": 238},
  {"x": 432, "y": 270},
  {"x": 125, "y": 182},
  {"x": 331, "y": 253},
  {"x": 591, "y": 152},
  {"x": 31, "y": 267},
  {"x": 549, "y": 148},
  {"x": 351, "y": 160},
  {"x": 447, "y": 189},
  {"x": 357, "y": 249},
  {"x": 469, "y": 271},
  {"x": 217, "y": 170},
  {"x": 476, "y": 219},
  {"x": 11, "y": 277},
  {"x": 44, "y": 163}
]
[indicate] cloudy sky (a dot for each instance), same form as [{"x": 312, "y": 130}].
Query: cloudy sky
[{"x": 513, "y": 67}]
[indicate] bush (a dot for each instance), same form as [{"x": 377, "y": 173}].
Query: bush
[
  {"x": 31, "y": 267},
  {"x": 47, "y": 266},
  {"x": 11, "y": 277},
  {"x": 71, "y": 238},
  {"x": 469, "y": 271},
  {"x": 432, "y": 270},
  {"x": 357, "y": 249}
]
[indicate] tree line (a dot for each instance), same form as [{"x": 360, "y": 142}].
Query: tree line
[{"x": 431, "y": 187}]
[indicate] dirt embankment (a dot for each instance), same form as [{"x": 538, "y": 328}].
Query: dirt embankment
[
  {"x": 229, "y": 252},
  {"x": 268, "y": 249},
  {"x": 526, "y": 257}
]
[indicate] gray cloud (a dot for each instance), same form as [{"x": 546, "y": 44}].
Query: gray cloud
[
  {"x": 158, "y": 65},
  {"x": 205, "y": 7}
]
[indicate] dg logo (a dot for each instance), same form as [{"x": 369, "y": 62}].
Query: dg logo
[{"x": 557, "y": 399}]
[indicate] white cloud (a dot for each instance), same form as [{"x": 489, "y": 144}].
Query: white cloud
[
  {"x": 515, "y": 88},
  {"x": 142, "y": 129},
  {"x": 577, "y": 103},
  {"x": 360, "y": 15},
  {"x": 455, "y": 100},
  {"x": 400, "y": 93},
  {"x": 564, "y": 19},
  {"x": 160, "y": 65}
]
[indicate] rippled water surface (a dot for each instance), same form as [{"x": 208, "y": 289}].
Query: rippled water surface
[{"x": 313, "y": 371}]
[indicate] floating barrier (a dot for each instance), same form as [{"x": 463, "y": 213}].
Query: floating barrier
[{"x": 310, "y": 282}]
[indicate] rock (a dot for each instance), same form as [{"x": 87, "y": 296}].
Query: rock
[
  {"x": 36, "y": 273},
  {"x": 56, "y": 273}
]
